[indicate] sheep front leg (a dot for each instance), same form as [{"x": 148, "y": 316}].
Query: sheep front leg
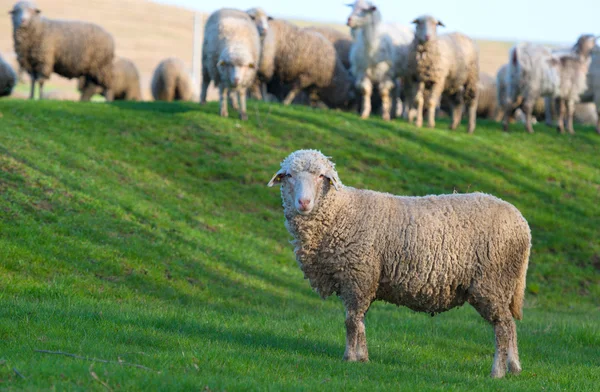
[
  {"x": 32, "y": 92},
  {"x": 366, "y": 90},
  {"x": 223, "y": 97},
  {"x": 548, "y": 103},
  {"x": 419, "y": 99},
  {"x": 528, "y": 109},
  {"x": 434, "y": 98},
  {"x": 385, "y": 89},
  {"x": 205, "y": 83},
  {"x": 356, "y": 339},
  {"x": 242, "y": 98},
  {"x": 41, "y": 82},
  {"x": 562, "y": 108},
  {"x": 570, "y": 113}
]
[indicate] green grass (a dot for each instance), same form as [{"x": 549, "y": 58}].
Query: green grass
[{"x": 144, "y": 232}]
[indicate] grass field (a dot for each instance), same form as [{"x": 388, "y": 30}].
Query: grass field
[{"x": 144, "y": 233}]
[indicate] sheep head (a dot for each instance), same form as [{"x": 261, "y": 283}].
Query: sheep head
[
  {"x": 585, "y": 44},
  {"x": 236, "y": 66},
  {"x": 362, "y": 13},
  {"x": 261, "y": 19},
  {"x": 426, "y": 28},
  {"x": 22, "y": 13},
  {"x": 305, "y": 178}
]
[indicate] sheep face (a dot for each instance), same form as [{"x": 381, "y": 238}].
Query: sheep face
[
  {"x": 22, "y": 13},
  {"x": 361, "y": 12},
  {"x": 585, "y": 44},
  {"x": 261, "y": 19},
  {"x": 235, "y": 69},
  {"x": 426, "y": 28},
  {"x": 305, "y": 177}
]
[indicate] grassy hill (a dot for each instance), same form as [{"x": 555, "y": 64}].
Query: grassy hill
[{"x": 144, "y": 233}]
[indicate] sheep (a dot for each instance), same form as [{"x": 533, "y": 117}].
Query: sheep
[
  {"x": 306, "y": 60},
  {"x": 8, "y": 78},
  {"x": 449, "y": 65},
  {"x": 430, "y": 253},
  {"x": 171, "y": 81},
  {"x": 341, "y": 41},
  {"x": 69, "y": 48},
  {"x": 257, "y": 16},
  {"x": 487, "y": 101},
  {"x": 540, "y": 109},
  {"x": 230, "y": 56},
  {"x": 592, "y": 94},
  {"x": 378, "y": 56},
  {"x": 125, "y": 82},
  {"x": 573, "y": 69}
]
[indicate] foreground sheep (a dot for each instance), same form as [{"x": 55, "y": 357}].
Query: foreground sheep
[
  {"x": 125, "y": 83},
  {"x": 171, "y": 81},
  {"x": 69, "y": 48},
  {"x": 428, "y": 253},
  {"x": 230, "y": 57},
  {"x": 449, "y": 65},
  {"x": 8, "y": 78},
  {"x": 378, "y": 56},
  {"x": 306, "y": 60}
]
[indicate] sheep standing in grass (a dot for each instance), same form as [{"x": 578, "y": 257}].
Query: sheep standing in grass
[
  {"x": 306, "y": 60},
  {"x": 69, "y": 48},
  {"x": 230, "y": 57},
  {"x": 429, "y": 253},
  {"x": 8, "y": 78},
  {"x": 171, "y": 81},
  {"x": 540, "y": 109},
  {"x": 378, "y": 56},
  {"x": 125, "y": 83},
  {"x": 446, "y": 64}
]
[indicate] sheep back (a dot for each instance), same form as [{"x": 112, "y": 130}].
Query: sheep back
[
  {"x": 341, "y": 41},
  {"x": 171, "y": 81},
  {"x": 8, "y": 78},
  {"x": 125, "y": 81}
]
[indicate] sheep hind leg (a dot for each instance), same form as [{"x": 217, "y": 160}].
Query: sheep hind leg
[
  {"x": 456, "y": 110},
  {"x": 291, "y": 95},
  {"x": 504, "y": 330},
  {"x": 514, "y": 364},
  {"x": 356, "y": 339},
  {"x": 32, "y": 91}
]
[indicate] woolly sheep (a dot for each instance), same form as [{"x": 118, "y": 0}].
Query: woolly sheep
[
  {"x": 540, "y": 109},
  {"x": 125, "y": 82},
  {"x": 230, "y": 57},
  {"x": 487, "y": 97},
  {"x": 306, "y": 60},
  {"x": 592, "y": 94},
  {"x": 340, "y": 40},
  {"x": 69, "y": 48},
  {"x": 428, "y": 253},
  {"x": 378, "y": 56},
  {"x": 8, "y": 78},
  {"x": 446, "y": 64},
  {"x": 171, "y": 81}
]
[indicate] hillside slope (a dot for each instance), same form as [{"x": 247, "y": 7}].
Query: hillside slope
[{"x": 144, "y": 233}]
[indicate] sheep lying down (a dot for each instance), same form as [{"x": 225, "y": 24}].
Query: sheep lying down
[{"x": 429, "y": 253}]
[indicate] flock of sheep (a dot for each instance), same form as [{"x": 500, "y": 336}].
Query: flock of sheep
[{"x": 396, "y": 70}]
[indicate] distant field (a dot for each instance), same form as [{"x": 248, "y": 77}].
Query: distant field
[
  {"x": 148, "y": 32},
  {"x": 144, "y": 233}
]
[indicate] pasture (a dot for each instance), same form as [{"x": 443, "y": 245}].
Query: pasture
[{"x": 144, "y": 234}]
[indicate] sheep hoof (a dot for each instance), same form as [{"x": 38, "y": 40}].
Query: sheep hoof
[
  {"x": 497, "y": 374},
  {"x": 529, "y": 129},
  {"x": 364, "y": 116},
  {"x": 418, "y": 124},
  {"x": 224, "y": 114},
  {"x": 514, "y": 368},
  {"x": 571, "y": 131},
  {"x": 386, "y": 117},
  {"x": 560, "y": 130},
  {"x": 243, "y": 117}
]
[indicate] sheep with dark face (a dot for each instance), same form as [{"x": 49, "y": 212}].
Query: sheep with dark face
[
  {"x": 429, "y": 253},
  {"x": 70, "y": 48}
]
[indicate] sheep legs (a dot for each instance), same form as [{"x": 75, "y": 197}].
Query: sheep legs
[
  {"x": 32, "y": 92},
  {"x": 242, "y": 98},
  {"x": 562, "y": 108},
  {"x": 528, "y": 109},
  {"x": 366, "y": 90},
  {"x": 434, "y": 97},
  {"x": 456, "y": 109},
  {"x": 223, "y": 97},
  {"x": 419, "y": 101},
  {"x": 205, "y": 83},
  {"x": 356, "y": 339},
  {"x": 570, "y": 114},
  {"x": 506, "y": 348}
]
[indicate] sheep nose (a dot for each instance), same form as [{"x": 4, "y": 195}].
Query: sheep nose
[{"x": 304, "y": 203}]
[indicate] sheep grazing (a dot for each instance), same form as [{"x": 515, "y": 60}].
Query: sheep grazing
[
  {"x": 230, "y": 56},
  {"x": 8, "y": 78},
  {"x": 378, "y": 56},
  {"x": 446, "y": 64},
  {"x": 70, "y": 48},
  {"x": 306, "y": 60},
  {"x": 429, "y": 253},
  {"x": 171, "y": 81},
  {"x": 125, "y": 83}
]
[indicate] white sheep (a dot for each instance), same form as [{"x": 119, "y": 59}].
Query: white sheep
[
  {"x": 446, "y": 64},
  {"x": 70, "y": 48},
  {"x": 171, "y": 81},
  {"x": 378, "y": 56},
  {"x": 230, "y": 57},
  {"x": 592, "y": 94},
  {"x": 429, "y": 253}
]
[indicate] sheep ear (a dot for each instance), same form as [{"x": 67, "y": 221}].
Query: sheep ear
[
  {"x": 333, "y": 179},
  {"x": 251, "y": 65},
  {"x": 416, "y": 21},
  {"x": 269, "y": 18},
  {"x": 37, "y": 11},
  {"x": 276, "y": 178},
  {"x": 372, "y": 8},
  {"x": 439, "y": 23}
]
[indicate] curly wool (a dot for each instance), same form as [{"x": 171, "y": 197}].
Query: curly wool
[
  {"x": 428, "y": 253},
  {"x": 8, "y": 78},
  {"x": 171, "y": 81}
]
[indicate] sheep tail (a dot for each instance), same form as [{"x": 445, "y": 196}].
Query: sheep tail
[{"x": 516, "y": 305}]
